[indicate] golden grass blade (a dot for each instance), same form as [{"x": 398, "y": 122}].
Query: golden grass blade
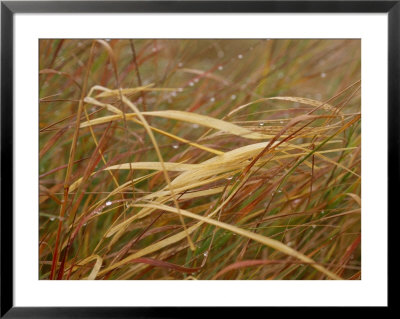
[
  {"x": 301, "y": 100},
  {"x": 155, "y": 144},
  {"x": 90, "y": 100},
  {"x": 259, "y": 238},
  {"x": 96, "y": 268},
  {"x": 194, "y": 118},
  {"x": 356, "y": 198},
  {"x": 162, "y": 197}
]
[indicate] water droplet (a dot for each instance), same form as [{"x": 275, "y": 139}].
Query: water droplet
[
  {"x": 323, "y": 74},
  {"x": 180, "y": 89},
  {"x": 108, "y": 203},
  {"x": 205, "y": 254},
  {"x": 331, "y": 238},
  {"x": 322, "y": 212},
  {"x": 191, "y": 83},
  {"x": 280, "y": 191},
  {"x": 180, "y": 64},
  {"x": 240, "y": 56},
  {"x": 233, "y": 96},
  {"x": 212, "y": 99},
  {"x": 261, "y": 124},
  {"x": 52, "y": 218},
  {"x": 175, "y": 146},
  {"x": 195, "y": 125},
  {"x": 281, "y": 122},
  {"x": 313, "y": 226},
  {"x": 229, "y": 178},
  {"x": 220, "y": 68},
  {"x": 290, "y": 243}
]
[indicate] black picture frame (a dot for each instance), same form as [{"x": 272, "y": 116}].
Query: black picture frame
[{"x": 9, "y": 8}]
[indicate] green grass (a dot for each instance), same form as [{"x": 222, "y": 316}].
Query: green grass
[{"x": 200, "y": 159}]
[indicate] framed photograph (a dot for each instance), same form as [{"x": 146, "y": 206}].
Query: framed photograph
[{"x": 158, "y": 156}]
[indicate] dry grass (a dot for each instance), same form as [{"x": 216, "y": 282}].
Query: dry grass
[{"x": 200, "y": 159}]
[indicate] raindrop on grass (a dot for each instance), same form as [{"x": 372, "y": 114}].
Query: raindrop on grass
[
  {"x": 233, "y": 97},
  {"x": 220, "y": 68},
  {"x": 205, "y": 254},
  {"x": 191, "y": 83},
  {"x": 175, "y": 146},
  {"x": 261, "y": 124},
  {"x": 195, "y": 125},
  {"x": 240, "y": 56},
  {"x": 52, "y": 218},
  {"x": 212, "y": 99},
  {"x": 180, "y": 89},
  {"x": 180, "y": 64},
  {"x": 108, "y": 203},
  {"x": 323, "y": 75}
]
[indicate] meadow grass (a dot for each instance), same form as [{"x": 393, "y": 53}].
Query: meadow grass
[{"x": 199, "y": 159}]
